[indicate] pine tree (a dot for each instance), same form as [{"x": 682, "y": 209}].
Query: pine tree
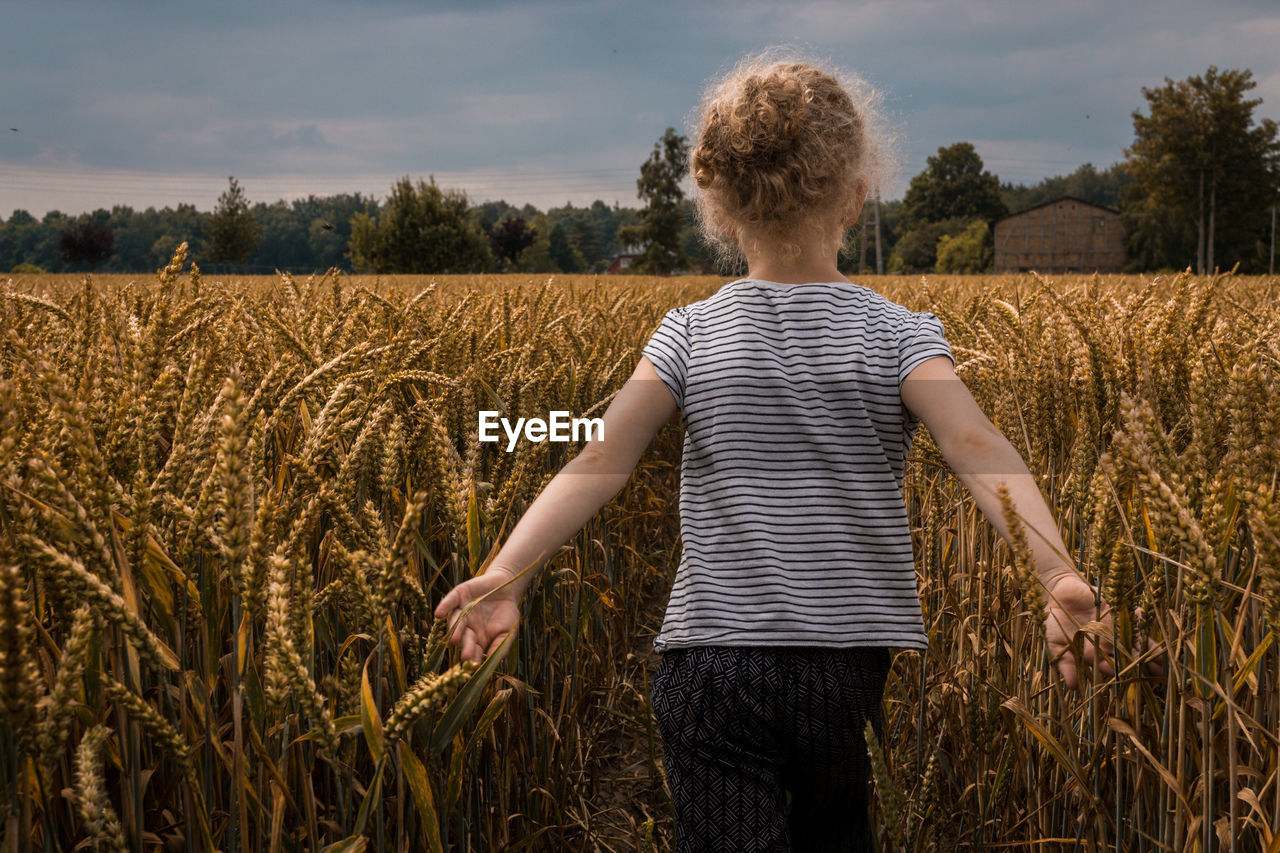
[{"x": 233, "y": 232}]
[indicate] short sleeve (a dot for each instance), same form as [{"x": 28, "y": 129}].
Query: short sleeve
[
  {"x": 668, "y": 349},
  {"x": 922, "y": 338}
]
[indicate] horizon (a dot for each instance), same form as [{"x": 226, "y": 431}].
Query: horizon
[{"x": 473, "y": 202}]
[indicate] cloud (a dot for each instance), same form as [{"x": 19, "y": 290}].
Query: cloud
[
  {"x": 1269, "y": 90},
  {"x": 570, "y": 93}
]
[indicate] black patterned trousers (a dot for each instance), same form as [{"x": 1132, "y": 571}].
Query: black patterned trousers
[{"x": 763, "y": 747}]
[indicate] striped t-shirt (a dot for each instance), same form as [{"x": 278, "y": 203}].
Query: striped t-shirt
[{"x": 792, "y": 519}]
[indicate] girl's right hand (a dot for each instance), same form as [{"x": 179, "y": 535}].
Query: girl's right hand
[{"x": 487, "y": 624}]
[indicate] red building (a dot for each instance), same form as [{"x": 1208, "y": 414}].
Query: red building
[{"x": 621, "y": 261}]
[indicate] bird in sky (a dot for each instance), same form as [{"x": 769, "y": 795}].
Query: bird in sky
[{"x": 14, "y": 129}]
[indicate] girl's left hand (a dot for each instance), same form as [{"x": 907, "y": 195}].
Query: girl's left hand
[
  {"x": 1070, "y": 605},
  {"x": 487, "y": 624}
]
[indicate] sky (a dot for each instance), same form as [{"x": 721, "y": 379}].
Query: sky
[{"x": 553, "y": 101}]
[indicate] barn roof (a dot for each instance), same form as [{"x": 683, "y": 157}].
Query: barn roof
[{"x": 1055, "y": 201}]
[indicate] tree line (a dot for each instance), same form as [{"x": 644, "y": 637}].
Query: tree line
[
  {"x": 1198, "y": 187},
  {"x": 308, "y": 235}
]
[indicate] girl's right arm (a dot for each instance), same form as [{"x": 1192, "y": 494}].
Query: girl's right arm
[
  {"x": 576, "y": 493},
  {"x": 983, "y": 458}
]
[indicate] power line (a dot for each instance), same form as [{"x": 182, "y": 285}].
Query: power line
[
  {"x": 109, "y": 180},
  {"x": 137, "y": 188},
  {"x": 313, "y": 189},
  {"x": 336, "y": 176}
]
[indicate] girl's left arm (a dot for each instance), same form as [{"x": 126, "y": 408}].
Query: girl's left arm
[{"x": 584, "y": 485}]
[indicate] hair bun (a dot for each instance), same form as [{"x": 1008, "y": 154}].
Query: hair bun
[{"x": 782, "y": 143}]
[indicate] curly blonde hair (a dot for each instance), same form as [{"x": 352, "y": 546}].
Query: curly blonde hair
[{"x": 780, "y": 144}]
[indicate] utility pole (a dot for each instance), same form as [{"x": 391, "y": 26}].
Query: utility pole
[
  {"x": 879, "y": 257},
  {"x": 862, "y": 245},
  {"x": 864, "y": 223},
  {"x": 1271, "y": 270}
]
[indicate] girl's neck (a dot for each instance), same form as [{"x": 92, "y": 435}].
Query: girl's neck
[
  {"x": 802, "y": 270},
  {"x": 815, "y": 261},
  {"x": 814, "y": 246}
]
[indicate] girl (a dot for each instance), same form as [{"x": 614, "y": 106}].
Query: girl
[{"x": 800, "y": 394}]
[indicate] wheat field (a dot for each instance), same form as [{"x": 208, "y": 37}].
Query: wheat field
[{"x": 229, "y": 506}]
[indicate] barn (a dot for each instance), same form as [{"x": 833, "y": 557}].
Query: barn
[{"x": 1064, "y": 235}]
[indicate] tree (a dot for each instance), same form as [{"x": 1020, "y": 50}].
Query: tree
[
  {"x": 86, "y": 243},
  {"x": 661, "y": 220},
  {"x": 233, "y": 232},
  {"x": 283, "y": 236},
  {"x": 423, "y": 229},
  {"x": 969, "y": 251},
  {"x": 953, "y": 184},
  {"x": 1199, "y": 153},
  {"x": 586, "y": 242},
  {"x": 700, "y": 260},
  {"x": 510, "y": 237},
  {"x": 44, "y": 252},
  {"x": 537, "y": 255},
  {"x": 917, "y": 249},
  {"x": 1156, "y": 237},
  {"x": 563, "y": 253},
  {"x": 18, "y": 238}
]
